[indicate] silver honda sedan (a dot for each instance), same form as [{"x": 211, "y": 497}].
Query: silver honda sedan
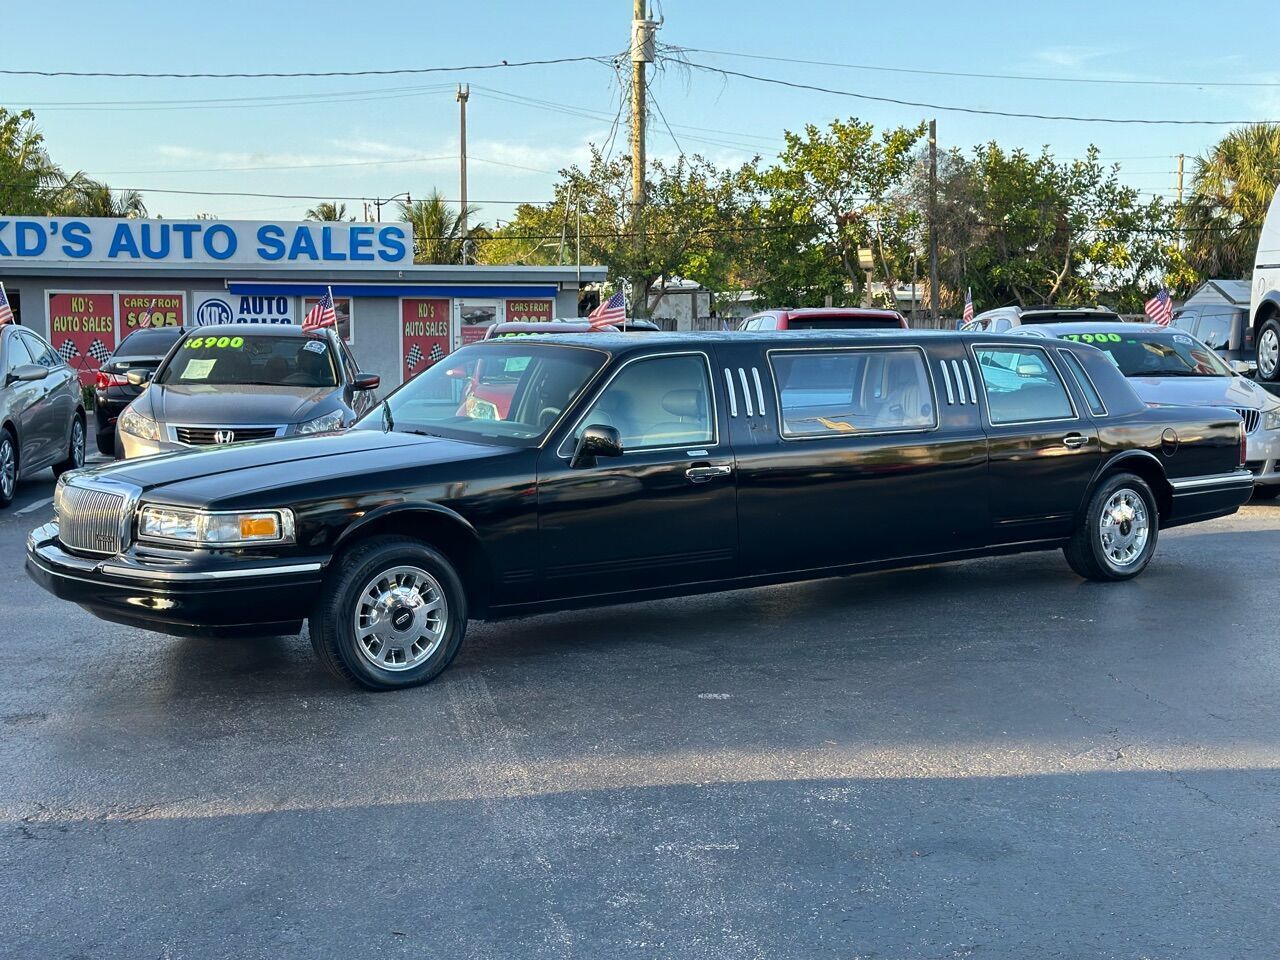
[{"x": 42, "y": 421}]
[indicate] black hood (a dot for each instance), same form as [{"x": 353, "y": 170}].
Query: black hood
[
  {"x": 231, "y": 404},
  {"x": 226, "y": 476}
]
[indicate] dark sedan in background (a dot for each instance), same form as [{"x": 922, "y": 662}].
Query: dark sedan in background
[
  {"x": 237, "y": 382},
  {"x": 112, "y": 391}
]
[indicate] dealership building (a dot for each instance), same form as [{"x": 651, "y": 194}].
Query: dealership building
[{"x": 85, "y": 284}]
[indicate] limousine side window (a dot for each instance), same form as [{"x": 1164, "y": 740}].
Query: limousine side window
[
  {"x": 1096, "y": 406},
  {"x": 1022, "y": 385},
  {"x": 657, "y": 402},
  {"x": 826, "y": 393}
]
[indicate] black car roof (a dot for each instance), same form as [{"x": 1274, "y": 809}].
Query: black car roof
[
  {"x": 259, "y": 329},
  {"x": 623, "y": 343}
]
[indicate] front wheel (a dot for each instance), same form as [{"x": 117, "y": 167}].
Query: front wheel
[
  {"x": 75, "y": 449},
  {"x": 1269, "y": 351},
  {"x": 392, "y": 614},
  {"x": 1116, "y": 536}
]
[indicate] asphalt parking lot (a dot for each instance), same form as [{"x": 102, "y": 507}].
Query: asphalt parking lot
[{"x": 991, "y": 759}]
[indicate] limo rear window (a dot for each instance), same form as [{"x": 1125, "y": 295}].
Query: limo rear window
[
  {"x": 852, "y": 322},
  {"x": 825, "y": 393}
]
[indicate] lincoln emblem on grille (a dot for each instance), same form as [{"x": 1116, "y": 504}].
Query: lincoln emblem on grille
[{"x": 224, "y": 436}]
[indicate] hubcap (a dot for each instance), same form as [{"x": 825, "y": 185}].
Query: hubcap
[
  {"x": 8, "y": 468},
  {"x": 1124, "y": 528},
  {"x": 1268, "y": 353},
  {"x": 400, "y": 618}
]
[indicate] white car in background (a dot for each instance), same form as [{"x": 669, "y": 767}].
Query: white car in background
[
  {"x": 1004, "y": 319},
  {"x": 1264, "y": 306}
]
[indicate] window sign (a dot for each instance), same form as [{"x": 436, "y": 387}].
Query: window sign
[
  {"x": 151, "y": 310},
  {"x": 424, "y": 334},
  {"x": 82, "y": 328},
  {"x": 222, "y": 307}
]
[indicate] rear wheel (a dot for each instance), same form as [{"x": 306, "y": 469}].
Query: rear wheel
[
  {"x": 1269, "y": 492},
  {"x": 1116, "y": 536},
  {"x": 75, "y": 449},
  {"x": 392, "y": 614},
  {"x": 1269, "y": 351}
]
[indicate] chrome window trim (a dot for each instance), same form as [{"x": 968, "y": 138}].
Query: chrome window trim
[
  {"x": 755, "y": 375},
  {"x": 946, "y": 376},
  {"x": 955, "y": 368},
  {"x": 1076, "y": 371},
  {"x": 975, "y": 347},
  {"x": 968, "y": 372},
  {"x": 746, "y": 392},
  {"x": 711, "y": 389},
  {"x": 884, "y": 348},
  {"x": 733, "y": 394}
]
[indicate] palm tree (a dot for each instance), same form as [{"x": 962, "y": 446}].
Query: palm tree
[
  {"x": 437, "y": 229},
  {"x": 330, "y": 212},
  {"x": 1230, "y": 191},
  {"x": 85, "y": 197}
]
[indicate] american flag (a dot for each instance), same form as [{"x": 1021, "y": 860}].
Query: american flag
[
  {"x": 6, "y": 311},
  {"x": 68, "y": 351},
  {"x": 144, "y": 318},
  {"x": 968, "y": 306},
  {"x": 98, "y": 350},
  {"x": 322, "y": 314},
  {"x": 1159, "y": 309},
  {"x": 610, "y": 312}
]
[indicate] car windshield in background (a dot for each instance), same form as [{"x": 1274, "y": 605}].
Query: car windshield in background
[
  {"x": 1069, "y": 316},
  {"x": 253, "y": 359},
  {"x": 1156, "y": 354},
  {"x": 843, "y": 323},
  {"x": 510, "y": 393},
  {"x": 148, "y": 343}
]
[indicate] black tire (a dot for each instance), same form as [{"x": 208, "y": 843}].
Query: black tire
[
  {"x": 1087, "y": 553},
  {"x": 332, "y": 624},
  {"x": 8, "y": 467},
  {"x": 75, "y": 448},
  {"x": 1268, "y": 359},
  {"x": 107, "y": 443},
  {"x": 1266, "y": 493}
]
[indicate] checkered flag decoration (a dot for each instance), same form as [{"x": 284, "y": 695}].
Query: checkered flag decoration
[
  {"x": 414, "y": 358},
  {"x": 68, "y": 351},
  {"x": 436, "y": 354},
  {"x": 98, "y": 350}
]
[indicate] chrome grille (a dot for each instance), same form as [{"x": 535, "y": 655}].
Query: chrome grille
[
  {"x": 209, "y": 436},
  {"x": 91, "y": 520},
  {"x": 1251, "y": 418}
]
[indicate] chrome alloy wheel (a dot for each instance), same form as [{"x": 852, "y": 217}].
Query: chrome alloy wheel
[
  {"x": 1124, "y": 528},
  {"x": 77, "y": 443},
  {"x": 1268, "y": 353},
  {"x": 400, "y": 618},
  {"x": 8, "y": 468}
]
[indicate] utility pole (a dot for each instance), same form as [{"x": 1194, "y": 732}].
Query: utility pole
[
  {"x": 642, "y": 50},
  {"x": 464, "y": 94},
  {"x": 1181, "y": 161},
  {"x": 933, "y": 222}
]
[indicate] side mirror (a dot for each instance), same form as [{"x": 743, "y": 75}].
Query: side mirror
[
  {"x": 139, "y": 378},
  {"x": 596, "y": 440},
  {"x": 366, "y": 381},
  {"x": 27, "y": 372},
  {"x": 1245, "y": 368}
]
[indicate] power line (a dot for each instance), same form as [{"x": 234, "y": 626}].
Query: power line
[
  {"x": 297, "y": 196},
  {"x": 397, "y": 71},
  {"x": 978, "y": 76},
  {"x": 216, "y": 103},
  {"x": 957, "y": 109}
]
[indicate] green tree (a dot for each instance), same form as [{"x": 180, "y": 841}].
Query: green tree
[
  {"x": 330, "y": 212},
  {"x": 31, "y": 183},
  {"x": 1231, "y": 188},
  {"x": 84, "y": 197},
  {"x": 830, "y": 193},
  {"x": 437, "y": 229}
]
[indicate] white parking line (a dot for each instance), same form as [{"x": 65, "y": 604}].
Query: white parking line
[{"x": 33, "y": 507}]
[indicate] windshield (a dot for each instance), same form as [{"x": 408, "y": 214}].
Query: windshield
[
  {"x": 144, "y": 343},
  {"x": 252, "y": 359},
  {"x": 1156, "y": 354},
  {"x": 503, "y": 391}
]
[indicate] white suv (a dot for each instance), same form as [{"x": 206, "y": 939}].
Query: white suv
[{"x": 1264, "y": 307}]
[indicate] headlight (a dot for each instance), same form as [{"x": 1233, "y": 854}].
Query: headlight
[
  {"x": 1271, "y": 419},
  {"x": 328, "y": 421},
  {"x": 205, "y": 528},
  {"x": 135, "y": 423}
]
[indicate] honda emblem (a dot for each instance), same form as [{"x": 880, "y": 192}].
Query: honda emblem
[{"x": 224, "y": 436}]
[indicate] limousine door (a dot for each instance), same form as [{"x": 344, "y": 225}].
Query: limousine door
[
  {"x": 1044, "y": 447},
  {"x": 847, "y": 454},
  {"x": 661, "y": 514}
]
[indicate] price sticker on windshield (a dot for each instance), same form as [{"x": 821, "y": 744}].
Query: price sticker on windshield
[
  {"x": 1094, "y": 337},
  {"x": 210, "y": 343}
]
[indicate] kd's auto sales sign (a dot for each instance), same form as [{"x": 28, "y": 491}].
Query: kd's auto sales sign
[
  {"x": 211, "y": 308},
  {"x": 424, "y": 334},
  {"x": 82, "y": 327}
]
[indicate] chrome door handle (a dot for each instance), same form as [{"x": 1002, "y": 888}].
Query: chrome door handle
[
  {"x": 703, "y": 474},
  {"x": 1074, "y": 441}
]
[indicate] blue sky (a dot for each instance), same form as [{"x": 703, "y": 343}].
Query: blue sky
[{"x": 336, "y": 137}]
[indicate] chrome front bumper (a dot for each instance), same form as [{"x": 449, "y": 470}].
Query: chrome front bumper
[{"x": 1262, "y": 456}]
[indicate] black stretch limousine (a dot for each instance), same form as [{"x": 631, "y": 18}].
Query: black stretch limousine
[{"x": 534, "y": 473}]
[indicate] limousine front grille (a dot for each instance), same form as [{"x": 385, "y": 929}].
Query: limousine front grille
[
  {"x": 92, "y": 520},
  {"x": 1251, "y": 418},
  {"x": 209, "y": 436}
]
